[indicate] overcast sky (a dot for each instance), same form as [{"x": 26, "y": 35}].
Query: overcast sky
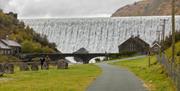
[{"x": 63, "y": 8}]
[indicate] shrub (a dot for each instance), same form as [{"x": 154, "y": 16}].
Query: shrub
[
  {"x": 168, "y": 40},
  {"x": 128, "y": 53},
  {"x": 178, "y": 53},
  {"x": 122, "y": 54},
  {"x": 97, "y": 60},
  {"x": 8, "y": 58}
]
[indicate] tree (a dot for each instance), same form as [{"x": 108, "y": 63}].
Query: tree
[{"x": 27, "y": 47}]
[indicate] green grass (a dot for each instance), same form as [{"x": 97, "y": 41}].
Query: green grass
[
  {"x": 76, "y": 78},
  {"x": 168, "y": 52},
  {"x": 154, "y": 77}
]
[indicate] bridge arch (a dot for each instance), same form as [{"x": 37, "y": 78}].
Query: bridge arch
[{"x": 55, "y": 56}]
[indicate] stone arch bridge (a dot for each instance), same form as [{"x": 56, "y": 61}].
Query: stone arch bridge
[{"x": 55, "y": 56}]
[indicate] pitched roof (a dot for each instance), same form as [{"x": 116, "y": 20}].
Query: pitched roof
[
  {"x": 156, "y": 44},
  {"x": 140, "y": 40},
  {"x": 137, "y": 39},
  {"x": 11, "y": 43},
  {"x": 126, "y": 40},
  {"x": 81, "y": 50},
  {"x": 3, "y": 46}
]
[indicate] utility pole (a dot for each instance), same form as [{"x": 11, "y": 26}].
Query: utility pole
[
  {"x": 173, "y": 30},
  {"x": 163, "y": 33},
  {"x": 158, "y": 34},
  {"x": 163, "y": 28},
  {"x": 149, "y": 58}
]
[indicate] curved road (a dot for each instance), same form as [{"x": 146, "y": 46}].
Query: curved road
[{"x": 116, "y": 79}]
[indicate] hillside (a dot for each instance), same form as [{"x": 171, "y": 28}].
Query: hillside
[
  {"x": 12, "y": 28},
  {"x": 148, "y": 7}
]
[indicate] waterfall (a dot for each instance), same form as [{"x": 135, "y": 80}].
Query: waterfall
[{"x": 99, "y": 35}]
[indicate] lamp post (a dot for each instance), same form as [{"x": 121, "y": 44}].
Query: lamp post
[{"x": 173, "y": 31}]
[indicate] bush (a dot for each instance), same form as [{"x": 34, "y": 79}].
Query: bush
[
  {"x": 128, "y": 53},
  {"x": 97, "y": 60},
  {"x": 168, "y": 40},
  {"x": 8, "y": 58},
  {"x": 122, "y": 54},
  {"x": 3, "y": 58},
  {"x": 114, "y": 56},
  {"x": 34, "y": 47},
  {"x": 178, "y": 54}
]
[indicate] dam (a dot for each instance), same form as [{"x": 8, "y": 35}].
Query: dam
[{"x": 100, "y": 35}]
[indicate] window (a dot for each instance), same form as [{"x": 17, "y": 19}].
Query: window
[{"x": 131, "y": 47}]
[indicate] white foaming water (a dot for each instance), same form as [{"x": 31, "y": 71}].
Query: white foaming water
[{"x": 99, "y": 35}]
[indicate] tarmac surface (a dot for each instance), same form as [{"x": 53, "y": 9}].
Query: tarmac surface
[{"x": 116, "y": 79}]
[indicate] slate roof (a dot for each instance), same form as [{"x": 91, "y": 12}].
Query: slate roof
[
  {"x": 11, "y": 43},
  {"x": 137, "y": 39},
  {"x": 156, "y": 44},
  {"x": 81, "y": 51},
  {"x": 140, "y": 40},
  {"x": 3, "y": 46}
]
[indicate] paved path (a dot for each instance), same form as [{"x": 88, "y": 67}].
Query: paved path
[{"x": 116, "y": 79}]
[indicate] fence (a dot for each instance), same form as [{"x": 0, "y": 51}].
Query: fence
[{"x": 172, "y": 69}]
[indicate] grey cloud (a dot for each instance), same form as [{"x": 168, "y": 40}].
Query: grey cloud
[
  {"x": 4, "y": 3},
  {"x": 60, "y": 8}
]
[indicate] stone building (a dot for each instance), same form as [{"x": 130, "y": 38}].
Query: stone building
[
  {"x": 9, "y": 47},
  {"x": 156, "y": 47},
  {"x": 4, "y": 49},
  {"x": 80, "y": 51},
  {"x": 134, "y": 44}
]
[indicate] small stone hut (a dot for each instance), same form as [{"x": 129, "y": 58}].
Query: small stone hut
[
  {"x": 80, "y": 51},
  {"x": 155, "y": 47},
  {"x": 15, "y": 48},
  {"x": 4, "y": 50}
]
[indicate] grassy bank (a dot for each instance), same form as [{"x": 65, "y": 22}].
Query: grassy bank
[
  {"x": 154, "y": 77},
  {"x": 76, "y": 78},
  {"x": 168, "y": 52}
]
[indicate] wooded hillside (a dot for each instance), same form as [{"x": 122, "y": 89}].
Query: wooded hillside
[{"x": 12, "y": 28}]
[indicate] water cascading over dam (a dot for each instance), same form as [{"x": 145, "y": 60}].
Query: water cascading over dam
[{"x": 99, "y": 35}]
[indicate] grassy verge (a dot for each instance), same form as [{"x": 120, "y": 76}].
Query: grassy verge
[
  {"x": 76, "y": 78},
  {"x": 154, "y": 77},
  {"x": 168, "y": 52}
]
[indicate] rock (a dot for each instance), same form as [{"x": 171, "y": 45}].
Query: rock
[
  {"x": 9, "y": 68},
  {"x": 1, "y": 70},
  {"x": 62, "y": 64},
  {"x": 34, "y": 66},
  {"x": 98, "y": 60},
  {"x": 45, "y": 66},
  {"x": 24, "y": 67}
]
